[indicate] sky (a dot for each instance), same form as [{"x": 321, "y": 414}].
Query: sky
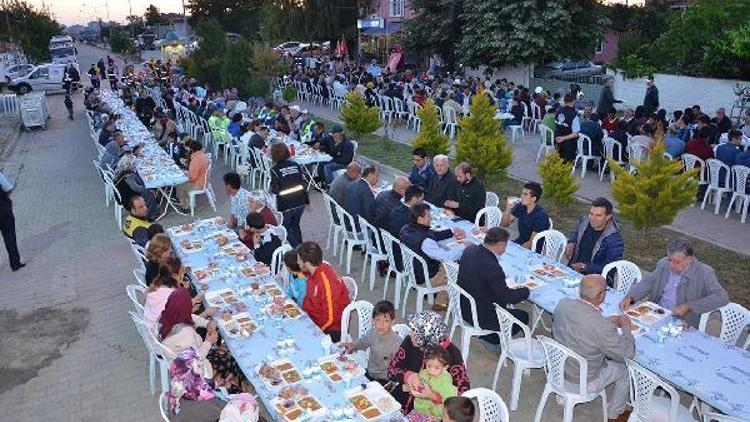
[{"x": 69, "y": 12}]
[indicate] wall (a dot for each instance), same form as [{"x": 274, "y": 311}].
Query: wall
[{"x": 679, "y": 92}]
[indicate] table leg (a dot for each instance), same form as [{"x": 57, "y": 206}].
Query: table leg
[
  {"x": 166, "y": 193},
  {"x": 537, "y": 316},
  {"x": 310, "y": 175}
]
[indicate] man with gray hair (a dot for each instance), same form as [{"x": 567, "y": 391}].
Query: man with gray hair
[
  {"x": 680, "y": 283},
  {"x": 443, "y": 183},
  {"x": 580, "y": 326}
]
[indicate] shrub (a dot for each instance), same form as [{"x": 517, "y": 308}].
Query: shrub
[
  {"x": 482, "y": 143},
  {"x": 431, "y": 136},
  {"x": 359, "y": 118},
  {"x": 289, "y": 93},
  {"x": 558, "y": 181}
]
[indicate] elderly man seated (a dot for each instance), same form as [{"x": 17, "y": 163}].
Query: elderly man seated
[
  {"x": 580, "y": 325},
  {"x": 443, "y": 183},
  {"x": 681, "y": 284}
]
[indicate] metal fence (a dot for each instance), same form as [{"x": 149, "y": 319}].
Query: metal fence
[{"x": 8, "y": 105}]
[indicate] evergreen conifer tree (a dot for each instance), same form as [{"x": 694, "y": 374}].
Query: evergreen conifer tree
[
  {"x": 481, "y": 141},
  {"x": 431, "y": 136},
  {"x": 558, "y": 181},
  {"x": 359, "y": 118}
]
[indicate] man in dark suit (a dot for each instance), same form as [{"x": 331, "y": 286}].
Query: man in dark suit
[
  {"x": 360, "y": 197},
  {"x": 481, "y": 276},
  {"x": 399, "y": 216}
]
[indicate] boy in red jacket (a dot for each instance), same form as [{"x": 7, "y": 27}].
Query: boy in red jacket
[{"x": 327, "y": 295}]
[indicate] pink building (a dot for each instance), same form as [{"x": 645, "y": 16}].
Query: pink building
[
  {"x": 606, "y": 51},
  {"x": 379, "y": 21}
]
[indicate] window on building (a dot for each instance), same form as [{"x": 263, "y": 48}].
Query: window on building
[
  {"x": 600, "y": 46},
  {"x": 397, "y": 8}
]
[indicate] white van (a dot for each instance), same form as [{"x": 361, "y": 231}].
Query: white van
[{"x": 46, "y": 77}]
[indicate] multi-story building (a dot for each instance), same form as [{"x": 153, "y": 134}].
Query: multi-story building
[{"x": 379, "y": 21}]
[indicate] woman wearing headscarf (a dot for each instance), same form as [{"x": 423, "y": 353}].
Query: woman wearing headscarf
[
  {"x": 427, "y": 329},
  {"x": 129, "y": 184},
  {"x": 177, "y": 330},
  {"x": 191, "y": 396}
]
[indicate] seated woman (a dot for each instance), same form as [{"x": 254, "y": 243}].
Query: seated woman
[
  {"x": 129, "y": 184},
  {"x": 162, "y": 286},
  {"x": 258, "y": 238},
  {"x": 177, "y": 330},
  {"x": 191, "y": 396},
  {"x": 159, "y": 249},
  {"x": 427, "y": 330}
]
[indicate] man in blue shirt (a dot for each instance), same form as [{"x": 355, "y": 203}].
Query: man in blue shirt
[
  {"x": 531, "y": 217},
  {"x": 674, "y": 145},
  {"x": 727, "y": 153},
  {"x": 421, "y": 171}
]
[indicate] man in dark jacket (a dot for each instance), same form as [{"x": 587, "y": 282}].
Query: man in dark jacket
[
  {"x": 596, "y": 240},
  {"x": 399, "y": 216},
  {"x": 342, "y": 152},
  {"x": 481, "y": 276},
  {"x": 651, "y": 100},
  {"x": 443, "y": 183},
  {"x": 607, "y": 98},
  {"x": 288, "y": 184},
  {"x": 388, "y": 200},
  {"x": 360, "y": 199},
  {"x": 421, "y": 171},
  {"x": 469, "y": 197}
]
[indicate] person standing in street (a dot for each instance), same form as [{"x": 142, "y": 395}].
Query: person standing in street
[
  {"x": 8, "y": 224},
  {"x": 651, "y": 100}
]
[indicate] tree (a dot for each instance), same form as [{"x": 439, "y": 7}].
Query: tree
[
  {"x": 120, "y": 42},
  {"x": 659, "y": 189},
  {"x": 482, "y": 142},
  {"x": 359, "y": 118},
  {"x": 289, "y": 93},
  {"x": 498, "y": 33},
  {"x": 152, "y": 15},
  {"x": 436, "y": 28},
  {"x": 241, "y": 16},
  {"x": 265, "y": 64},
  {"x": 205, "y": 62},
  {"x": 558, "y": 180},
  {"x": 235, "y": 65},
  {"x": 431, "y": 136},
  {"x": 27, "y": 26}
]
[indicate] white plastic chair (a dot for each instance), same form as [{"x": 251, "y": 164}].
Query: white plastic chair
[
  {"x": 390, "y": 245},
  {"x": 554, "y": 244},
  {"x": 491, "y": 199},
  {"x": 555, "y": 356},
  {"x": 525, "y": 352},
  {"x": 734, "y": 319},
  {"x": 451, "y": 271},
  {"x": 133, "y": 291},
  {"x": 363, "y": 311},
  {"x": 351, "y": 287},
  {"x": 468, "y": 329},
  {"x": 739, "y": 191},
  {"x": 492, "y": 408},
  {"x": 335, "y": 226},
  {"x": 164, "y": 406},
  {"x": 547, "y": 141},
  {"x": 492, "y": 216},
  {"x": 513, "y": 130},
  {"x": 637, "y": 153},
  {"x": 412, "y": 263},
  {"x": 717, "y": 417},
  {"x": 352, "y": 237},
  {"x": 140, "y": 276},
  {"x": 207, "y": 190},
  {"x": 647, "y": 406},
  {"x": 627, "y": 274},
  {"x": 374, "y": 251},
  {"x": 613, "y": 150},
  {"x": 402, "y": 330},
  {"x": 156, "y": 351},
  {"x": 450, "y": 121},
  {"x": 536, "y": 117},
  {"x": 715, "y": 181},
  {"x": 277, "y": 260},
  {"x": 584, "y": 155}
]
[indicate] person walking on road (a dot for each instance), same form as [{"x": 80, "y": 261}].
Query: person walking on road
[{"x": 8, "y": 224}]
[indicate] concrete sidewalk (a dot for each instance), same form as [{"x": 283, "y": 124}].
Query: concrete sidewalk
[{"x": 728, "y": 233}]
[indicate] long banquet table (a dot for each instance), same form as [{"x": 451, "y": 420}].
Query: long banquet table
[
  {"x": 702, "y": 365},
  {"x": 298, "y": 340}
]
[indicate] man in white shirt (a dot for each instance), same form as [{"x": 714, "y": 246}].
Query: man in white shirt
[{"x": 239, "y": 199}]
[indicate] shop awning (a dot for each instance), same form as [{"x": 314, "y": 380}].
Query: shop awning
[{"x": 390, "y": 28}]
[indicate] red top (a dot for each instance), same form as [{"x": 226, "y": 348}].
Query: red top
[
  {"x": 326, "y": 298},
  {"x": 699, "y": 147}
]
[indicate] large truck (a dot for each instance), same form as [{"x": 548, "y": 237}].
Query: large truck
[{"x": 62, "y": 50}]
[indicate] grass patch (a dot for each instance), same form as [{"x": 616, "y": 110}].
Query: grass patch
[{"x": 732, "y": 268}]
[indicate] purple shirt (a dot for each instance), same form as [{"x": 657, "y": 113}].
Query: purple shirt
[{"x": 669, "y": 294}]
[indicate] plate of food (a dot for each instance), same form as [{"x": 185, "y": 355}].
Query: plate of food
[
  {"x": 548, "y": 271},
  {"x": 371, "y": 401},
  {"x": 181, "y": 230},
  {"x": 208, "y": 272},
  {"x": 294, "y": 402},
  {"x": 189, "y": 246},
  {"x": 278, "y": 373},
  {"x": 257, "y": 270},
  {"x": 338, "y": 367},
  {"x": 239, "y": 325},
  {"x": 648, "y": 312},
  {"x": 221, "y": 298}
]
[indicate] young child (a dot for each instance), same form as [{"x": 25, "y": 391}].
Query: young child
[
  {"x": 434, "y": 376},
  {"x": 458, "y": 409},
  {"x": 382, "y": 341},
  {"x": 297, "y": 281}
]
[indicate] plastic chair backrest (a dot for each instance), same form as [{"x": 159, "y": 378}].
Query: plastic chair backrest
[
  {"x": 463, "y": 294},
  {"x": 277, "y": 259},
  {"x": 350, "y": 229},
  {"x": 133, "y": 290},
  {"x": 402, "y": 330},
  {"x": 689, "y": 161},
  {"x": 715, "y": 178},
  {"x": 164, "y": 406},
  {"x": 330, "y": 205},
  {"x": 613, "y": 149},
  {"x": 412, "y": 261},
  {"x": 371, "y": 236},
  {"x": 351, "y": 287},
  {"x": 554, "y": 244},
  {"x": 492, "y": 408},
  {"x": 388, "y": 244},
  {"x": 739, "y": 179},
  {"x": 491, "y": 199},
  {"x": 492, "y": 216},
  {"x": 584, "y": 144},
  {"x": 643, "y": 385},
  {"x": 627, "y": 274},
  {"x": 547, "y": 135},
  {"x": 555, "y": 356},
  {"x": 734, "y": 319},
  {"x": 363, "y": 310},
  {"x": 507, "y": 321}
]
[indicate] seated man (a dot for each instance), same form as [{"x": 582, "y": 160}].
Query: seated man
[
  {"x": 360, "y": 199},
  {"x": 421, "y": 171},
  {"x": 469, "y": 196},
  {"x": 112, "y": 152},
  {"x": 591, "y": 127},
  {"x": 579, "y": 325},
  {"x": 327, "y": 295},
  {"x": 338, "y": 188},
  {"x": 596, "y": 240},
  {"x": 258, "y": 238},
  {"x": 418, "y": 236},
  {"x": 443, "y": 183},
  {"x": 399, "y": 216},
  {"x": 481, "y": 276},
  {"x": 727, "y": 152},
  {"x": 196, "y": 173},
  {"x": 137, "y": 223},
  {"x": 239, "y": 199},
  {"x": 531, "y": 217},
  {"x": 388, "y": 200},
  {"x": 680, "y": 283},
  {"x": 342, "y": 152}
]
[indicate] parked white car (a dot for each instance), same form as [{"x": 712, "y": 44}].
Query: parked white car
[
  {"x": 15, "y": 71},
  {"x": 45, "y": 77}
]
